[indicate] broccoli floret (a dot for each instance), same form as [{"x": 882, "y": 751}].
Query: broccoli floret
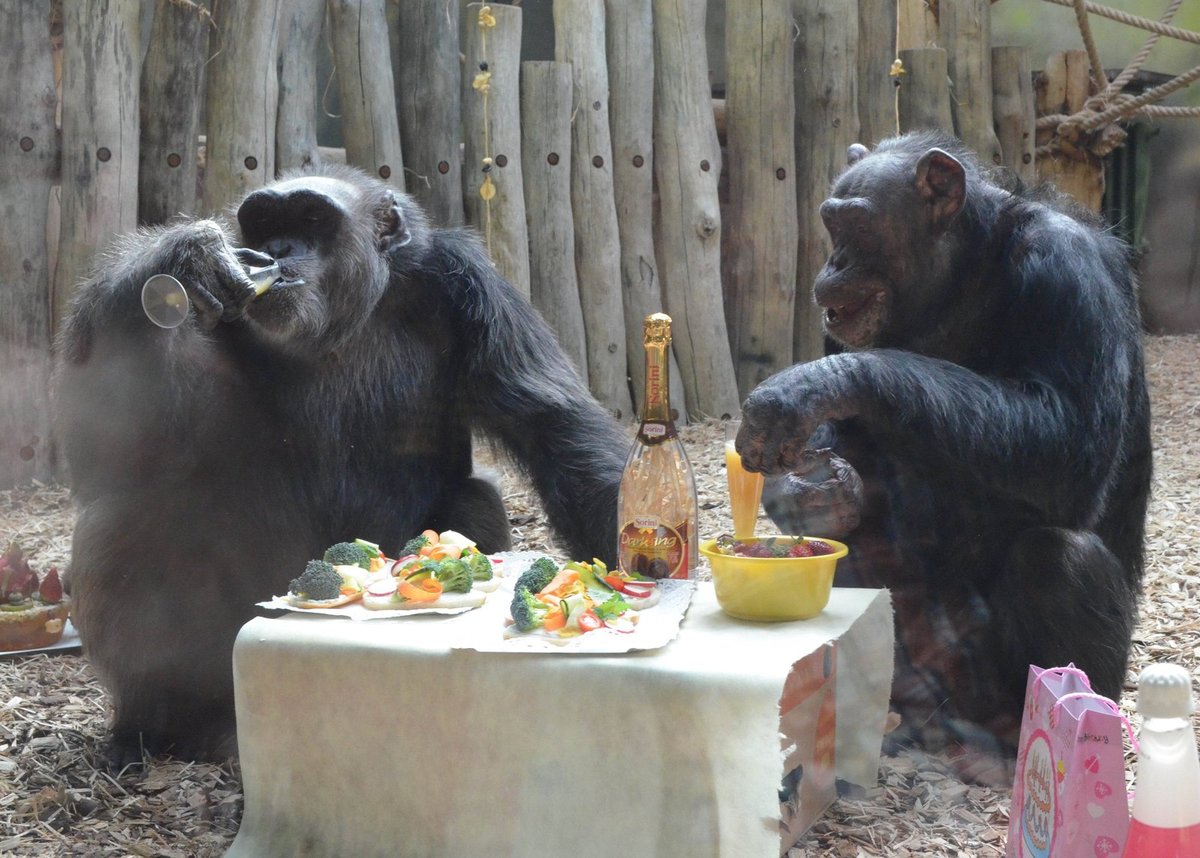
[
  {"x": 455, "y": 576},
  {"x": 414, "y": 545},
  {"x": 318, "y": 582},
  {"x": 348, "y": 554},
  {"x": 527, "y": 612},
  {"x": 538, "y": 575},
  {"x": 481, "y": 567}
]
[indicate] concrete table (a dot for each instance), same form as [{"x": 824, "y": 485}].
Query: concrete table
[{"x": 379, "y": 738}]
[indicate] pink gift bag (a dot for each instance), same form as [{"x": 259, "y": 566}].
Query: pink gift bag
[{"x": 1069, "y": 798}]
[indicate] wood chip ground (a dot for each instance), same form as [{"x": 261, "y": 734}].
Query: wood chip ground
[{"x": 57, "y": 798}]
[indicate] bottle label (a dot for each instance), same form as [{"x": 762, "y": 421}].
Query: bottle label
[
  {"x": 654, "y": 430},
  {"x": 650, "y": 547}
]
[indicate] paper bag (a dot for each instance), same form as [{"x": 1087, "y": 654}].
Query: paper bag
[
  {"x": 1069, "y": 796},
  {"x": 808, "y": 730}
]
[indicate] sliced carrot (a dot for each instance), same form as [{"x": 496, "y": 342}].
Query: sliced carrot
[
  {"x": 555, "y": 620},
  {"x": 562, "y": 581},
  {"x": 425, "y": 590},
  {"x": 432, "y": 535}
]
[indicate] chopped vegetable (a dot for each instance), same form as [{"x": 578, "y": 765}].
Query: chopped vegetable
[
  {"x": 455, "y": 576},
  {"x": 423, "y": 590},
  {"x": 348, "y": 554},
  {"x": 318, "y": 582}
]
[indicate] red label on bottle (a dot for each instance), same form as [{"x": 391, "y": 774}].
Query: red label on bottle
[{"x": 646, "y": 546}]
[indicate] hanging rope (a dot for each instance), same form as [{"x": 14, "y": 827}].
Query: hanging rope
[
  {"x": 482, "y": 83},
  {"x": 1095, "y": 127}
]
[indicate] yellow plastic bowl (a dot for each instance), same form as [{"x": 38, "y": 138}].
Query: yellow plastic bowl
[{"x": 773, "y": 588}]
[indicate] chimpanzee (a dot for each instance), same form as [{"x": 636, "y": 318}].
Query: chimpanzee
[
  {"x": 212, "y": 460},
  {"x": 990, "y": 393}
]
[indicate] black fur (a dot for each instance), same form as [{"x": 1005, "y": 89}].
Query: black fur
[
  {"x": 992, "y": 398},
  {"x": 211, "y": 461}
]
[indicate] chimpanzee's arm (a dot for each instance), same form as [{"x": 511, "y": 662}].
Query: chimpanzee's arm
[
  {"x": 134, "y": 398},
  {"x": 1023, "y": 437},
  {"x": 520, "y": 387}
]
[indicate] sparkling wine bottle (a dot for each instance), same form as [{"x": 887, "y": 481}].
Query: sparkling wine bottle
[
  {"x": 656, "y": 507},
  {"x": 1166, "y": 802}
]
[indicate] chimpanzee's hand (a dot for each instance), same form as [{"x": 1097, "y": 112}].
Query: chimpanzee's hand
[
  {"x": 826, "y": 497},
  {"x": 210, "y": 268},
  {"x": 780, "y": 416}
]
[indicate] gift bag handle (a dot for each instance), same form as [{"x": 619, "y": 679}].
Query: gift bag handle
[
  {"x": 1107, "y": 701},
  {"x": 1073, "y": 671}
]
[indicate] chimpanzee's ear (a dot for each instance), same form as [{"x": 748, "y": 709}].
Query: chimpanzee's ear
[
  {"x": 942, "y": 183},
  {"x": 855, "y": 153},
  {"x": 391, "y": 230}
]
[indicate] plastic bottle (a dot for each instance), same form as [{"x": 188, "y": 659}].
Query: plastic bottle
[
  {"x": 656, "y": 506},
  {"x": 1166, "y": 803}
]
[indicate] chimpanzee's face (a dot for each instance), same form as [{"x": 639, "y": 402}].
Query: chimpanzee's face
[
  {"x": 332, "y": 236},
  {"x": 884, "y": 219}
]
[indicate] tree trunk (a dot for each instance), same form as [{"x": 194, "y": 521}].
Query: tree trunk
[
  {"x": 876, "y": 51},
  {"x": 429, "y": 103},
  {"x": 629, "y": 28},
  {"x": 242, "y": 101},
  {"x": 1013, "y": 110},
  {"x": 687, "y": 166},
  {"x": 579, "y": 40},
  {"x": 492, "y": 125},
  {"x": 369, "y": 124},
  {"x": 761, "y": 230},
  {"x": 966, "y": 31},
  {"x": 923, "y": 96},
  {"x": 29, "y": 157},
  {"x": 826, "y": 67},
  {"x": 296, "y": 126},
  {"x": 1063, "y": 88},
  {"x": 170, "y": 96},
  {"x": 99, "y": 136},
  {"x": 546, "y": 105}
]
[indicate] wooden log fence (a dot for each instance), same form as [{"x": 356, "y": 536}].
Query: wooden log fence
[{"x": 604, "y": 168}]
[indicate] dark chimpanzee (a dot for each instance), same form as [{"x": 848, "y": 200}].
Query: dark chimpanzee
[
  {"x": 991, "y": 396},
  {"x": 212, "y": 460}
]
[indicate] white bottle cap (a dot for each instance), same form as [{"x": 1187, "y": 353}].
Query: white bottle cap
[{"x": 1164, "y": 691}]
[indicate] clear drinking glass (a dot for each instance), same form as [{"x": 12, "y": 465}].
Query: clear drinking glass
[{"x": 745, "y": 488}]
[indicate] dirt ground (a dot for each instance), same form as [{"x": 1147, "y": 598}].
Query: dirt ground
[{"x": 57, "y": 798}]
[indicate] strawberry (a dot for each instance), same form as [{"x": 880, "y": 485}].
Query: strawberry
[
  {"x": 800, "y": 549},
  {"x": 52, "y": 588},
  {"x": 819, "y": 546}
]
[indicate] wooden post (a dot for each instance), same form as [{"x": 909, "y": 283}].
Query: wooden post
[
  {"x": 242, "y": 101},
  {"x": 99, "y": 136},
  {"x": 29, "y": 157},
  {"x": 826, "y": 124},
  {"x": 923, "y": 91},
  {"x": 170, "y": 95},
  {"x": 687, "y": 165},
  {"x": 369, "y": 124},
  {"x": 492, "y": 126},
  {"x": 966, "y": 32},
  {"x": 1013, "y": 108},
  {"x": 428, "y": 76},
  {"x": 629, "y": 28},
  {"x": 546, "y": 103},
  {"x": 761, "y": 229},
  {"x": 1062, "y": 89},
  {"x": 916, "y": 24},
  {"x": 876, "y": 52},
  {"x": 296, "y": 126},
  {"x": 579, "y": 40}
]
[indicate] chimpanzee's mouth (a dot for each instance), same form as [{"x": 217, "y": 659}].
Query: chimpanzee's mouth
[{"x": 842, "y": 314}]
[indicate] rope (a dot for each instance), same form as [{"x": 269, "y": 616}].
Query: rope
[
  {"x": 1094, "y": 127},
  {"x": 482, "y": 83},
  {"x": 1135, "y": 21},
  {"x": 1085, "y": 30}
]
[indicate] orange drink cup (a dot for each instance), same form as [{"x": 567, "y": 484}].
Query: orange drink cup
[{"x": 745, "y": 488}]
